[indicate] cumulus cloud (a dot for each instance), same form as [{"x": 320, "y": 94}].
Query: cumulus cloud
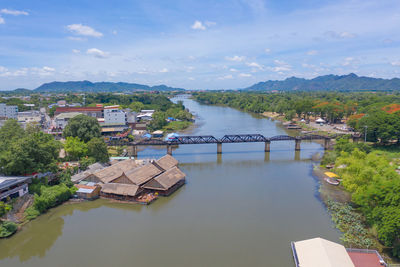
[
  {"x": 339, "y": 35},
  {"x": 280, "y": 66},
  {"x": 348, "y": 61},
  {"x": 254, "y": 65},
  {"x": 76, "y": 51},
  {"x": 84, "y": 30},
  {"x": 312, "y": 52},
  {"x": 267, "y": 50},
  {"x": 35, "y": 71},
  {"x": 245, "y": 75},
  {"x": 164, "y": 70},
  {"x": 13, "y": 12},
  {"x": 198, "y": 25},
  {"x": 395, "y": 63},
  {"x": 236, "y": 58},
  {"x": 226, "y": 77},
  {"x": 233, "y": 70},
  {"x": 2, "y": 21},
  {"x": 96, "y": 53}
]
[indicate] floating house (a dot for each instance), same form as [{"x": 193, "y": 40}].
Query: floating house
[
  {"x": 167, "y": 182},
  {"x": 88, "y": 191},
  {"x": 125, "y": 192}
]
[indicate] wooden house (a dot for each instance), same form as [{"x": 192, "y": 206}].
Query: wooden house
[
  {"x": 113, "y": 172},
  {"x": 89, "y": 191},
  {"x": 125, "y": 192},
  {"x": 167, "y": 182}
]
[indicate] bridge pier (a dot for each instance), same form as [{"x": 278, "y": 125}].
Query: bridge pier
[
  {"x": 297, "y": 144},
  {"x": 132, "y": 151},
  {"x": 267, "y": 146},
  {"x": 326, "y": 143},
  {"x": 169, "y": 150},
  {"x": 219, "y": 148}
]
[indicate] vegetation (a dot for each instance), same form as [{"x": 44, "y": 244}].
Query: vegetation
[
  {"x": 4, "y": 208},
  {"x": 24, "y": 152},
  {"x": 7, "y": 228},
  {"x": 83, "y": 127}
]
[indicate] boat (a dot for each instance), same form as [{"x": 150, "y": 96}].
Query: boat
[{"x": 332, "y": 181}]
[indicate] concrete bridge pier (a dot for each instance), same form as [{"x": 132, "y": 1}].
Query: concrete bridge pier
[
  {"x": 327, "y": 142},
  {"x": 267, "y": 146},
  {"x": 132, "y": 151},
  {"x": 169, "y": 150},
  {"x": 219, "y": 148},
  {"x": 297, "y": 144}
]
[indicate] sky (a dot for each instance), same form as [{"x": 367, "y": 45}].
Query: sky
[{"x": 191, "y": 44}]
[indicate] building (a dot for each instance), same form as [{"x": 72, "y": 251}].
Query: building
[
  {"x": 89, "y": 171},
  {"x": 61, "y": 103},
  {"x": 114, "y": 116},
  {"x": 319, "y": 252},
  {"x": 8, "y": 112},
  {"x": 32, "y": 116},
  {"x": 167, "y": 182},
  {"x": 15, "y": 186},
  {"x": 125, "y": 192},
  {"x": 96, "y": 112},
  {"x": 61, "y": 120},
  {"x": 115, "y": 171},
  {"x": 88, "y": 191}
]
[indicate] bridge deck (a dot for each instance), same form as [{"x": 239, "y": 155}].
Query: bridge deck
[{"x": 209, "y": 139}]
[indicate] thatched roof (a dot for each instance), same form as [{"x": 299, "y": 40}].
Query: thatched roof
[
  {"x": 90, "y": 170},
  {"x": 121, "y": 189},
  {"x": 167, "y": 162},
  {"x": 165, "y": 180},
  {"x": 111, "y": 173},
  {"x": 143, "y": 174}
]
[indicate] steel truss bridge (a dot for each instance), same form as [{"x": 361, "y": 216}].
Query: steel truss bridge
[{"x": 226, "y": 139}]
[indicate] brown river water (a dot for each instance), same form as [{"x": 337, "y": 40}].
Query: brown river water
[{"x": 241, "y": 208}]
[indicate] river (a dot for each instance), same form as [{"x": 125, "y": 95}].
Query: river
[{"x": 241, "y": 208}]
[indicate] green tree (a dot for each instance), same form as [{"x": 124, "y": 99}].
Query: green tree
[
  {"x": 159, "y": 120},
  {"x": 75, "y": 148},
  {"x": 136, "y": 106},
  {"x": 4, "y": 208},
  {"x": 97, "y": 149},
  {"x": 83, "y": 127}
]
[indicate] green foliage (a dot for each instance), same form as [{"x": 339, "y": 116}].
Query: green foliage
[
  {"x": 35, "y": 186},
  {"x": 136, "y": 106},
  {"x": 348, "y": 221},
  {"x": 4, "y": 208},
  {"x": 344, "y": 144},
  {"x": 159, "y": 121},
  {"x": 329, "y": 157},
  {"x": 174, "y": 126},
  {"x": 83, "y": 127},
  {"x": 97, "y": 149},
  {"x": 51, "y": 196},
  {"x": 85, "y": 162},
  {"x": 75, "y": 148},
  {"x": 31, "y": 213},
  {"x": 7, "y": 228},
  {"x": 23, "y": 152}
]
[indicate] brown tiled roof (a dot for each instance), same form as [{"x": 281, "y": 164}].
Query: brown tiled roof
[
  {"x": 167, "y": 162},
  {"x": 165, "y": 180},
  {"x": 121, "y": 189},
  {"x": 143, "y": 174},
  {"x": 77, "y": 109},
  {"x": 111, "y": 173}
]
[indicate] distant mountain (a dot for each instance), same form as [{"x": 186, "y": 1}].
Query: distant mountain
[
  {"x": 86, "y": 86},
  {"x": 350, "y": 82}
]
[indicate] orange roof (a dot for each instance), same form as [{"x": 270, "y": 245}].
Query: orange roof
[
  {"x": 360, "y": 259},
  {"x": 392, "y": 108}
]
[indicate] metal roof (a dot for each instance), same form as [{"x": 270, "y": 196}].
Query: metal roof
[{"x": 10, "y": 181}]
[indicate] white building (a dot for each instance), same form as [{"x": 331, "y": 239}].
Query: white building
[
  {"x": 114, "y": 116},
  {"x": 62, "y": 119},
  {"x": 32, "y": 116},
  {"x": 9, "y": 112}
]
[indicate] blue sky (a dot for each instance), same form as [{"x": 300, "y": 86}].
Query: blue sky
[{"x": 195, "y": 44}]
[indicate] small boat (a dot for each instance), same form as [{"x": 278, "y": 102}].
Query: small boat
[{"x": 332, "y": 181}]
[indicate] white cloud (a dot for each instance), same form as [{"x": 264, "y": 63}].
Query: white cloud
[
  {"x": 280, "y": 66},
  {"x": 97, "y": 53},
  {"x": 312, "y": 52},
  {"x": 164, "y": 70},
  {"x": 13, "y": 12},
  {"x": 395, "y": 63},
  {"x": 267, "y": 50},
  {"x": 233, "y": 70},
  {"x": 2, "y": 21},
  {"x": 76, "y": 51},
  {"x": 84, "y": 30},
  {"x": 210, "y": 23},
  {"x": 189, "y": 68},
  {"x": 191, "y": 78},
  {"x": 114, "y": 32},
  {"x": 245, "y": 75},
  {"x": 254, "y": 65},
  {"x": 347, "y": 61},
  {"x": 236, "y": 58},
  {"x": 74, "y": 38},
  {"x": 197, "y": 25},
  {"x": 3, "y": 69},
  {"x": 226, "y": 77},
  {"x": 340, "y": 35},
  {"x": 45, "y": 68}
]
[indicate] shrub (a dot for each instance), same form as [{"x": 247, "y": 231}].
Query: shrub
[{"x": 7, "y": 228}]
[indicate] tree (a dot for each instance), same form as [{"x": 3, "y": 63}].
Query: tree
[
  {"x": 83, "y": 127},
  {"x": 75, "y": 148},
  {"x": 4, "y": 208},
  {"x": 136, "y": 106},
  {"x": 159, "y": 120},
  {"x": 97, "y": 149}
]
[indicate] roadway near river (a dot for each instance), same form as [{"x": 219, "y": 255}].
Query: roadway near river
[{"x": 241, "y": 208}]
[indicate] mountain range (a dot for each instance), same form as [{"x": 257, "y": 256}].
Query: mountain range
[{"x": 350, "y": 82}]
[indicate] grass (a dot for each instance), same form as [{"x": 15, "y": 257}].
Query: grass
[{"x": 174, "y": 126}]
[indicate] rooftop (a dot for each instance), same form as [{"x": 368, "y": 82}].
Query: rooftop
[
  {"x": 7, "y": 181},
  {"x": 365, "y": 258},
  {"x": 121, "y": 189}
]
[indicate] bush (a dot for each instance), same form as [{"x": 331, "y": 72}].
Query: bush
[
  {"x": 52, "y": 196},
  {"x": 7, "y": 228},
  {"x": 31, "y": 213}
]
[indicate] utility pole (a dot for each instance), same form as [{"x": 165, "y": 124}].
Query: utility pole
[{"x": 365, "y": 133}]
